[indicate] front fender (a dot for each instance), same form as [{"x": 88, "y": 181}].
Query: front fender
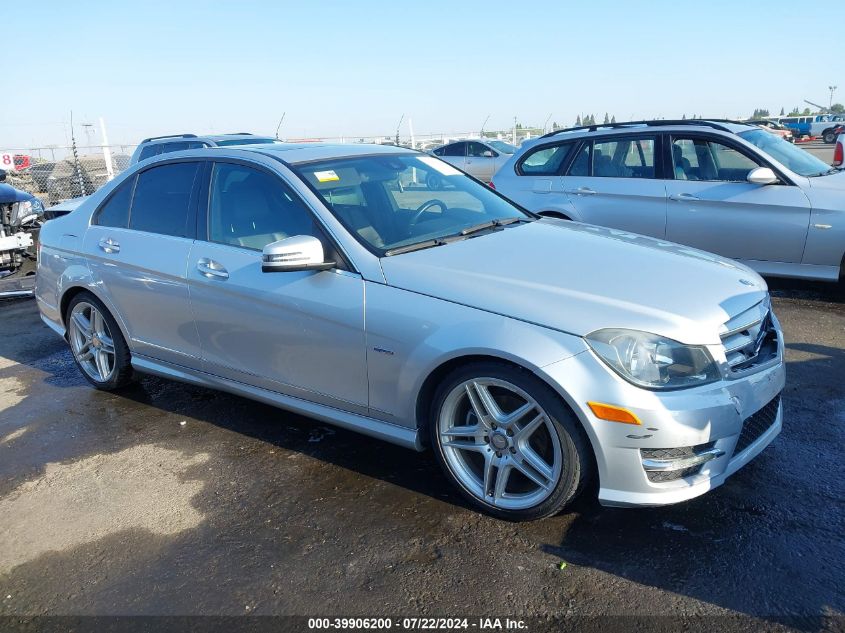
[{"x": 410, "y": 335}]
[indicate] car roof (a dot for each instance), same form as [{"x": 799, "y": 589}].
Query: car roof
[
  {"x": 632, "y": 127},
  {"x": 294, "y": 153},
  {"x": 214, "y": 138}
]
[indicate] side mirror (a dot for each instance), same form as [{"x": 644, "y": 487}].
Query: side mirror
[
  {"x": 762, "y": 176},
  {"x": 488, "y": 154},
  {"x": 2, "y": 175},
  {"x": 300, "y": 252}
]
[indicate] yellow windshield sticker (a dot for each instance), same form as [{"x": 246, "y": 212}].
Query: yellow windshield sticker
[
  {"x": 326, "y": 176},
  {"x": 435, "y": 163}
]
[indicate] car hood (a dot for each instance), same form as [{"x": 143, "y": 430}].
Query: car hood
[
  {"x": 834, "y": 182},
  {"x": 579, "y": 278},
  {"x": 9, "y": 194}
]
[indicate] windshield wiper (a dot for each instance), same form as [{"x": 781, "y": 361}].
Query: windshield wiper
[
  {"x": 492, "y": 224},
  {"x": 415, "y": 247}
]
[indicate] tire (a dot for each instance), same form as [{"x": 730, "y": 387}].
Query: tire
[
  {"x": 828, "y": 136},
  {"x": 516, "y": 487},
  {"x": 434, "y": 182},
  {"x": 98, "y": 347}
]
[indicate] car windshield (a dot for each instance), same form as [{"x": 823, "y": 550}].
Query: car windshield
[
  {"x": 501, "y": 146},
  {"x": 794, "y": 158},
  {"x": 391, "y": 202},
  {"x": 245, "y": 141}
]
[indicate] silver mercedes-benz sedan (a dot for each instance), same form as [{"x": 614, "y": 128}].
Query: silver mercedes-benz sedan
[{"x": 529, "y": 354}]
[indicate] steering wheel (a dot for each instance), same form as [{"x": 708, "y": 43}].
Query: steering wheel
[{"x": 425, "y": 206}]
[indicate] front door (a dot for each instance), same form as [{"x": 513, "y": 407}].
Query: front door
[
  {"x": 712, "y": 206},
  {"x": 481, "y": 161},
  {"x": 299, "y": 333}
]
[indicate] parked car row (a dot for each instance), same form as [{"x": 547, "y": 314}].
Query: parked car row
[
  {"x": 531, "y": 354},
  {"x": 823, "y": 125}
]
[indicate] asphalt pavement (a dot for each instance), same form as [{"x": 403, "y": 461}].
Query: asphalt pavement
[{"x": 168, "y": 499}]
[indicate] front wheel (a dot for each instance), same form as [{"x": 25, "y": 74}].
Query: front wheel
[
  {"x": 508, "y": 442},
  {"x": 98, "y": 347},
  {"x": 828, "y": 136}
]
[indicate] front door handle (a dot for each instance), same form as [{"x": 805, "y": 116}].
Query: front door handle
[
  {"x": 582, "y": 191},
  {"x": 212, "y": 269},
  {"x": 683, "y": 197},
  {"x": 108, "y": 245}
]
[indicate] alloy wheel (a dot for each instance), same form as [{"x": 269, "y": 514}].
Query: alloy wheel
[
  {"x": 499, "y": 443},
  {"x": 91, "y": 342}
]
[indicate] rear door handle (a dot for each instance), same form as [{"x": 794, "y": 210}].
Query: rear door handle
[
  {"x": 582, "y": 191},
  {"x": 681, "y": 197},
  {"x": 108, "y": 245},
  {"x": 212, "y": 269}
]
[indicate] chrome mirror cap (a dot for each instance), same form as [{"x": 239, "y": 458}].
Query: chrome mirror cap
[
  {"x": 762, "y": 176},
  {"x": 300, "y": 252}
]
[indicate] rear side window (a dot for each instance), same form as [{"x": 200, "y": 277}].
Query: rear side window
[
  {"x": 455, "y": 149},
  {"x": 162, "y": 199},
  {"x": 624, "y": 158},
  {"x": 478, "y": 150},
  {"x": 545, "y": 161},
  {"x": 115, "y": 212},
  {"x": 580, "y": 165}
]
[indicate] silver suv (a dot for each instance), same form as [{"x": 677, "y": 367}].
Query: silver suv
[
  {"x": 728, "y": 188},
  {"x": 156, "y": 145},
  {"x": 530, "y": 354}
]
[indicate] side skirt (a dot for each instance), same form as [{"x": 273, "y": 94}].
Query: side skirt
[{"x": 408, "y": 438}]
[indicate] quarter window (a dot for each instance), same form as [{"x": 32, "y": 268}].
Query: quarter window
[
  {"x": 700, "y": 159},
  {"x": 162, "y": 199},
  {"x": 115, "y": 212},
  {"x": 250, "y": 208},
  {"x": 545, "y": 161}
]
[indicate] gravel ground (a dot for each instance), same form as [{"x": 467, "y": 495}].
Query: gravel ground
[{"x": 169, "y": 499}]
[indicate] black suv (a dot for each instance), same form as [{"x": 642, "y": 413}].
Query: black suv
[{"x": 156, "y": 145}]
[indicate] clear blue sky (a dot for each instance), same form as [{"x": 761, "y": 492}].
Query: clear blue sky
[{"x": 354, "y": 67}]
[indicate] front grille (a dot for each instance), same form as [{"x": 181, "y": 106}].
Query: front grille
[
  {"x": 755, "y": 425},
  {"x": 749, "y": 338}
]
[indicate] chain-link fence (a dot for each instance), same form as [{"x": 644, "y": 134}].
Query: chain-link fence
[{"x": 57, "y": 173}]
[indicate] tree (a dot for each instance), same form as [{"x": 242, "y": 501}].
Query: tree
[
  {"x": 806, "y": 111},
  {"x": 760, "y": 113},
  {"x": 684, "y": 116},
  {"x": 613, "y": 119},
  {"x": 606, "y": 119},
  {"x": 781, "y": 111},
  {"x": 578, "y": 121},
  {"x": 837, "y": 108}
]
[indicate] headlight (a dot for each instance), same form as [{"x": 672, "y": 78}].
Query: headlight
[
  {"x": 27, "y": 211},
  {"x": 652, "y": 361}
]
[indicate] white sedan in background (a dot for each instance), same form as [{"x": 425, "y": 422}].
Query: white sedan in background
[{"x": 479, "y": 158}]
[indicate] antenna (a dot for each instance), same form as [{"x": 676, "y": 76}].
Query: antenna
[
  {"x": 481, "y": 133},
  {"x": 280, "y": 125},
  {"x": 548, "y": 118}
]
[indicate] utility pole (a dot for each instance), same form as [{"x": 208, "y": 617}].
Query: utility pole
[
  {"x": 82, "y": 190},
  {"x": 832, "y": 90},
  {"x": 106, "y": 151},
  {"x": 548, "y": 118},
  {"x": 398, "y": 125}
]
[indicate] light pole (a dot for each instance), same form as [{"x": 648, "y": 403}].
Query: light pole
[{"x": 832, "y": 89}]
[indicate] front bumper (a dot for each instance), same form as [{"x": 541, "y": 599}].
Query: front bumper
[{"x": 710, "y": 417}]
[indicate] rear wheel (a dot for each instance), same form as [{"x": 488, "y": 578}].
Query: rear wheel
[
  {"x": 508, "y": 442},
  {"x": 828, "y": 136},
  {"x": 98, "y": 347}
]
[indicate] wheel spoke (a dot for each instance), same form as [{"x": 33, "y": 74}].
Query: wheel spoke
[
  {"x": 102, "y": 361},
  {"x": 96, "y": 321},
  {"x": 536, "y": 462},
  {"x": 82, "y": 324},
  {"x": 489, "y": 470},
  {"x": 502, "y": 477},
  {"x": 463, "y": 431},
  {"x": 85, "y": 353},
  {"x": 107, "y": 344},
  {"x": 464, "y": 445},
  {"x": 489, "y": 404},
  {"x": 517, "y": 415},
  {"x": 522, "y": 434},
  {"x": 531, "y": 474},
  {"x": 475, "y": 403}
]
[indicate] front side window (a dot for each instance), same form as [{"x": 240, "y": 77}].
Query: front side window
[
  {"x": 162, "y": 199},
  {"x": 395, "y": 201},
  {"x": 545, "y": 161},
  {"x": 478, "y": 150},
  {"x": 251, "y": 208},
  {"x": 115, "y": 212},
  {"x": 702, "y": 159}
]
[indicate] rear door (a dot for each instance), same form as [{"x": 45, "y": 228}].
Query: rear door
[
  {"x": 137, "y": 249},
  {"x": 712, "y": 206},
  {"x": 613, "y": 181}
]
